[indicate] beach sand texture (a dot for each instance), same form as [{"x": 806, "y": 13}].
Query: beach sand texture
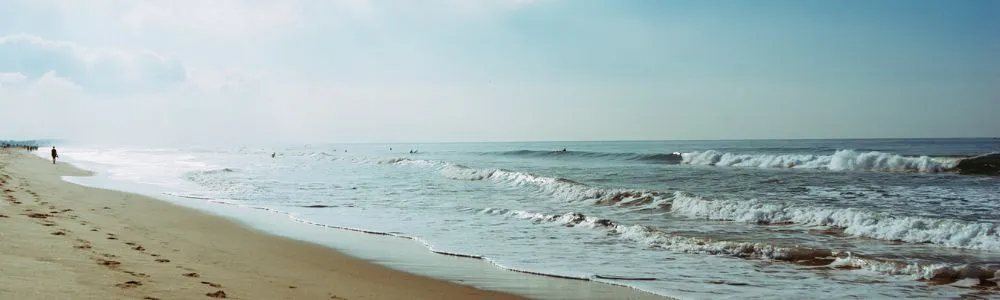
[{"x": 64, "y": 241}]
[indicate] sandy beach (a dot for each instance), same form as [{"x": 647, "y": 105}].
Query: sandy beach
[{"x": 64, "y": 241}]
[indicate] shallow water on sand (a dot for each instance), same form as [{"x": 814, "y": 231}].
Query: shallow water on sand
[{"x": 699, "y": 219}]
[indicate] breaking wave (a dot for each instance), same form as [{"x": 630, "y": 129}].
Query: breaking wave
[
  {"x": 658, "y": 239},
  {"x": 839, "y": 160},
  {"x": 403, "y": 161},
  {"x": 216, "y": 171},
  {"x": 558, "y": 187},
  {"x": 855, "y": 222},
  {"x": 842, "y": 160},
  {"x": 667, "y": 158}
]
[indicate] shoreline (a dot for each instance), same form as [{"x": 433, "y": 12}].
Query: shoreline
[
  {"x": 332, "y": 269},
  {"x": 63, "y": 240}
]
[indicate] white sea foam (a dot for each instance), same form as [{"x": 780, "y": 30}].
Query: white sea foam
[
  {"x": 842, "y": 160},
  {"x": 855, "y": 221},
  {"x": 560, "y": 188},
  {"x": 654, "y": 238}
]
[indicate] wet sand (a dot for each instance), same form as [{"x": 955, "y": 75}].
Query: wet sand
[{"x": 65, "y": 241}]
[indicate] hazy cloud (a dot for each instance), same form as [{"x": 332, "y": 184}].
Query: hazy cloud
[{"x": 95, "y": 69}]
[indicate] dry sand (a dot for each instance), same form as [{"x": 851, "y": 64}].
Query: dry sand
[{"x": 64, "y": 241}]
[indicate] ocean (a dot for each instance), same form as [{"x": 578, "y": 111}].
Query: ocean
[{"x": 877, "y": 218}]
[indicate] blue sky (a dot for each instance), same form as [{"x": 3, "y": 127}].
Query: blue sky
[{"x": 453, "y": 70}]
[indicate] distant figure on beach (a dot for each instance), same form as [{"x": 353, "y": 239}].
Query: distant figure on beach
[
  {"x": 54, "y": 155},
  {"x": 273, "y": 153}
]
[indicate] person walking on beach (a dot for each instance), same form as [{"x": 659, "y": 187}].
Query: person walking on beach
[{"x": 54, "y": 155}]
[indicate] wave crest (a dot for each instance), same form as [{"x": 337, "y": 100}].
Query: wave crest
[
  {"x": 658, "y": 239},
  {"x": 842, "y": 160},
  {"x": 558, "y": 187},
  {"x": 855, "y": 222},
  {"x": 669, "y": 158}
]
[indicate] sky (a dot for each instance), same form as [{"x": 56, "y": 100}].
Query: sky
[{"x": 311, "y": 71}]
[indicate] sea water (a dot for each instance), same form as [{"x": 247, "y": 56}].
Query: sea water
[{"x": 688, "y": 219}]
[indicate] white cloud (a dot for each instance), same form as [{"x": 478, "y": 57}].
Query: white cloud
[
  {"x": 52, "y": 82},
  {"x": 96, "y": 69},
  {"x": 11, "y": 78},
  {"x": 229, "y": 18}
]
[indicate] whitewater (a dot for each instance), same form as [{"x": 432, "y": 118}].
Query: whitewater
[{"x": 813, "y": 219}]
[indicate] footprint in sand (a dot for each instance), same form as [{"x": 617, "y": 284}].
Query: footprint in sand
[
  {"x": 150, "y": 298},
  {"x": 137, "y": 246},
  {"x": 217, "y": 294},
  {"x": 192, "y": 275},
  {"x": 84, "y": 244},
  {"x": 38, "y": 215},
  {"x": 111, "y": 236},
  {"x": 4, "y": 216},
  {"x": 108, "y": 263},
  {"x": 49, "y": 224},
  {"x": 162, "y": 260},
  {"x": 129, "y": 284},
  {"x": 58, "y": 233},
  {"x": 211, "y": 284},
  {"x": 136, "y": 274}
]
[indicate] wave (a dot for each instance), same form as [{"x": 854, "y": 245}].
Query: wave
[
  {"x": 401, "y": 161},
  {"x": 558, "y": 187},
  {"x": 658, "y": 239},
  {"x": 666, "y": 158},
  {"x": 854, "y": 222},
  {"x": 839, "y": 160},
  {"x": 215, "y": 171}
]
